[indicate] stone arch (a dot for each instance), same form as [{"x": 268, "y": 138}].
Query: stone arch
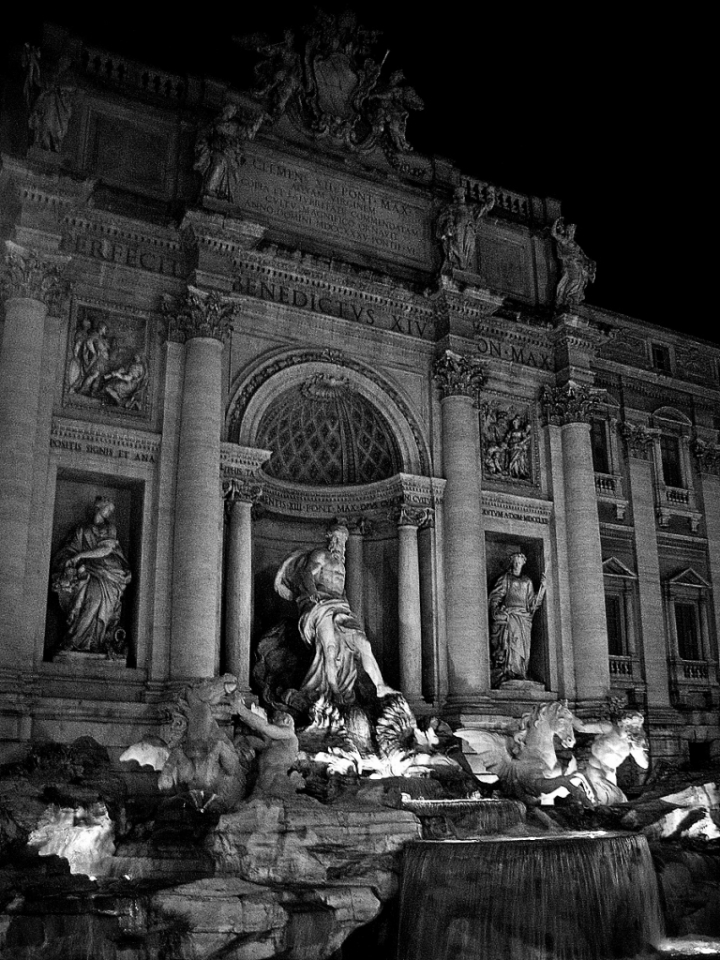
[
  {"x": 257, "y": 390},
  {"x": 672, "y": 414}
]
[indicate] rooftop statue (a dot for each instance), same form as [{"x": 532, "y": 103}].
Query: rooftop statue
[
  {"x": 49, "y": 98},
  {"x": 456, "y": 229},
  {"x": 219, "y": 150},
  {"x": 577, "y": 270},
  {"x": 89, "y": 573},
  {"x": 513, "y": 603},
  {"x": 330, "y": 84}
]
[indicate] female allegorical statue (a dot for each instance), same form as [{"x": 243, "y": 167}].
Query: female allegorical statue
[
  {"x": 513, "y": 604},
  {"x": 89, "y": 574}
]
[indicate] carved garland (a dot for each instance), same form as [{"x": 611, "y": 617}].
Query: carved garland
[{"x": 337, "y": 358}]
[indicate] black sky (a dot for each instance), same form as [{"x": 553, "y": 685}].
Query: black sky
[{"x": 608, "y": 111}]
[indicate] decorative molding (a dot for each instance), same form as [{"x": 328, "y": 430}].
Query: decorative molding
[
  {"x": 27, "y": 274},
  {"x": 570, "y": 403},
  {"x": 198, "y": 314},
  {"x": 235, "y": 489},
  {"x": 405, "y": 515},
  {"x": 241, "y": 463},
  {"x": 458, "y": 376},
  {"x": 639, "y": 438}
]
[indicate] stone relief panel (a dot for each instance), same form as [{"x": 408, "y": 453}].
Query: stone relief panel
[
  {"x": 107, "y": 362},
  {"x": 506, "y": 442},
  {"x": 126, "y": 153},
  {"x": 504, "y": 264}
]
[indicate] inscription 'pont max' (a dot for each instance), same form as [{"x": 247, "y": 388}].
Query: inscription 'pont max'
[{"x": 317, "y": 203}]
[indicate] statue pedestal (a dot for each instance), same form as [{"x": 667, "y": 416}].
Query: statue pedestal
[
  {"x": 522, "y": 689},
  {"x": 97, "y": 659}
]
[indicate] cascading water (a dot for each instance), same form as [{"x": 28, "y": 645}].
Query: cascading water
[{"x": 567, "y": 897}]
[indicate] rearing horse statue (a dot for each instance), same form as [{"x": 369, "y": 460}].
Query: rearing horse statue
[{"x": 526, "y": 763}]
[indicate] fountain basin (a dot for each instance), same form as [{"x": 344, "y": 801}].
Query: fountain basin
[{"x": 575, "y": 896}]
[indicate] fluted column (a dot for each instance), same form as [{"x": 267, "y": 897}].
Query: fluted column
[
  {"x": 459, "y": 380},
  {"x": 239, "y": 498},
  {"x": 30, "y": 284},
  {"x": 202, "y": 321},
  {"x": 354, "y": 568},
  {"x": 640, "y": 442},
  {"x": 569, "y": 406},
  {"x": 409, "y": 617}
]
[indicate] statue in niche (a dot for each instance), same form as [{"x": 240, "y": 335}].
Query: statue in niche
[
  {"x": 456, "y": 229},
  {"x": 513, "y": 603},
  {"x": 49, "y": 100},
  {"x": 315, "y": 580},
  {"x": 89, "y": 573},
  {"x": 506, "y": 444},
  {"x": 618, "y": 738},
  {"x": 219, "y": 150},
  {"x": 577, "y": 269}
]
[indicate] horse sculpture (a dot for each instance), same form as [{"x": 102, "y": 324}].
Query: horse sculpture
[{"x": 526, "y": 763}]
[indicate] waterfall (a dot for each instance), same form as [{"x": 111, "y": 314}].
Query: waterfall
[{"x": 568, "y": 897}]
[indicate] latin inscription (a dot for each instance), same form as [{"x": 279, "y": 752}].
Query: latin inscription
[
  {"x": 352, "y": 213},
  {"x": 126, "y": 255},
  {"x": 333, "y": 306},
  {"x": 126, "y": 448},
  {"x": 508, "y": 351}
]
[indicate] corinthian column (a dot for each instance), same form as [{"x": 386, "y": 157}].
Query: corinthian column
[
  {"x": 569, "y": 407},
  {"x": 31, "y": 285},
  {"x": 410, "y": 626},
  {"x": 459, "y": 380},
  {"x": 239, "y": 495},
  {"x": 202, "y": 322}
]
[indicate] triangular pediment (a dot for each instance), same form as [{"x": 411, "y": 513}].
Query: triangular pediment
[
  {"x": 689, "y": 578},
  {"x": 612, "y": 567}
]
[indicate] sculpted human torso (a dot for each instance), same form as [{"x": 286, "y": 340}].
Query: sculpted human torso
[{"x": 324, "y": 575}]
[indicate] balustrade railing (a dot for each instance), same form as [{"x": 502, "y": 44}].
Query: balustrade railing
[{"x": 121, "y": 72}]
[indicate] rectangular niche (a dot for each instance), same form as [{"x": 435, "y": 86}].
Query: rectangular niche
[
  {"x": 108, "y": 361},
  {"x": 75, "y": 497},
  {"x": 498, "y": 549}
]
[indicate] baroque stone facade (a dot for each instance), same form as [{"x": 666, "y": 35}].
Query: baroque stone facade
[{"x": 280, "y": 315}]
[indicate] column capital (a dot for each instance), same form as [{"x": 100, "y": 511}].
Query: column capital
[
  {"x": 458, "y": 376},
  {"x": 199, "y": 313},
  {"x": 638, "y": 437},
  {"x": 24, "y": 273},
  {"x": 244, "y": 490},
  {"x": 570, "y": 403},
  {"x": 406, "y": 515}
]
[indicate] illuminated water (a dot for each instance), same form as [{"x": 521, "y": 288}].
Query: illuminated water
[{"x": 575, "y": 896}]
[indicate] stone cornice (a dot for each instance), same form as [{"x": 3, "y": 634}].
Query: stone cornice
[
  {"x": 198, "y": 314},
  {"x": 242, "y": 462},
  {"x": 25, "y": 273},
  {"x": 123, "y": 444},
  {"x": 123, "y": 229},
  {"x": 458, "y": 376}
]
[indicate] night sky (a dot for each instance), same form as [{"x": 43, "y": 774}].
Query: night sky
[{"x": 600, "y": 109}]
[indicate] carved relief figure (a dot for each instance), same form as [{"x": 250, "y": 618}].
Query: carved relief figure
[
  {"x": 456, "y": 230},
  {"x": 577, "y": 269},
  {"x": 506, "y": 438},
  {"x": 219, "y": 150},
  {"x": 513, "y": 603},
  {"x": 89, "y": 574},
  {"x": 101, "y": 371},
  {"x": 315, "y": 580},
  {"x": 49, "y": 100},
  {"x": 125, "y": 384}
]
